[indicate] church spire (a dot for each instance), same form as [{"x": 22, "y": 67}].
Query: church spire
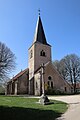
[{"x": 39, "y": 33}]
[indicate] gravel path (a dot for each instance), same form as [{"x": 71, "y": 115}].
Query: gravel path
[{"x": 73, "y": 112}]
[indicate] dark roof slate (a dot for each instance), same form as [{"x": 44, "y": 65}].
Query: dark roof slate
[{"x": 39, "y": 33}]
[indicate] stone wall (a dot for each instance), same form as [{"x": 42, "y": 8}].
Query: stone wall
[
  {"x": 20, "y": 85},
  {"x": 58, "y": 82}
]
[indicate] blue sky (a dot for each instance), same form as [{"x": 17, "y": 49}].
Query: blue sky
[{"x": 61, "y": 22}]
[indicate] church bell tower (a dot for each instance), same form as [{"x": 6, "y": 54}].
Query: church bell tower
[{"x": 39, "y": 52}]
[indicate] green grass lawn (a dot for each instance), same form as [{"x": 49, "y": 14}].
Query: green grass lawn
[{"x": 19, "y": 108}]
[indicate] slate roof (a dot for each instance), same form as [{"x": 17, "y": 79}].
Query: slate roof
[{"x": 39, "y": 33}]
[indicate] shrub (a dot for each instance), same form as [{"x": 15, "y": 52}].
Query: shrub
[{"x": 54, "y": 92}]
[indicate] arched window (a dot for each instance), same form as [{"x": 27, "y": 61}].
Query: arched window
[
  {"x": 42, "y": 53},
  {"x": 50, "y": 82}
]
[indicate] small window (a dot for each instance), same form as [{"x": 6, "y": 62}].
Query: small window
[
  {"x": 36, "y": 85},
  {"x": 42, "y": 53},
  {"x": 31, "y": 54},
  {"x": 49, "y": 78},
  {"x": 51, "y": 84},
  {"x": 65, "y": 89}
]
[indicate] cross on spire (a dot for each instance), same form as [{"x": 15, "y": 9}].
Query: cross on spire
[
  {"x": 39, "y": 32},
  {"x": 39, "y": 12}
]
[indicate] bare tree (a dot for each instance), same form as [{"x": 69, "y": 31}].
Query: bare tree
[
  {"x": 59, "y": 65},
  {"x": 69, "y": 68},
  {"x": 56, "y": 63},
  {"x": 7, "y": 61}
]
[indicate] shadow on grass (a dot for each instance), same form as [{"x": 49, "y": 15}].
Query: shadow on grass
[{"x": 17, "y": 113}]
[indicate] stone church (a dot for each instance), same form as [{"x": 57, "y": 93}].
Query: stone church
[{"x": 40, "y": 75}]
